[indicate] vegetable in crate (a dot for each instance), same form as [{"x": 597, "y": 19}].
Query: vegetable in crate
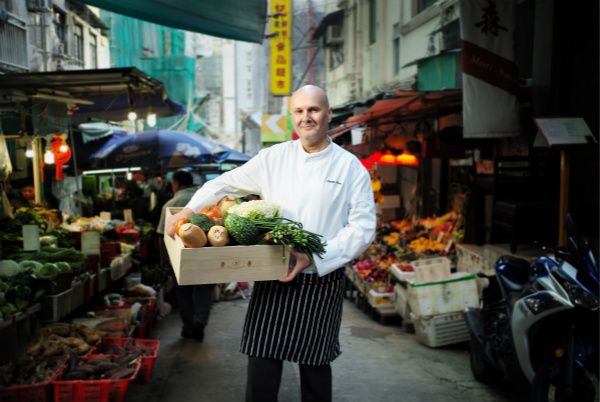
[
  {"x": 218, "y": 236},
  {"x": 241, "y": 229},
  {"x": 212, "y": 211},
  {"x": 284, "y": 231},
  {"x": 192, "y": 236},
  {"x": 202, "y": 221},
  {"x": 256, "y": 209}
]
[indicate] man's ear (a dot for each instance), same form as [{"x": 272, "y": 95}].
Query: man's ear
[{"x": 330, "y": 113}]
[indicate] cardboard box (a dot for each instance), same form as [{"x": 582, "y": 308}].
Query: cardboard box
[{"x": 194, "y": 266}]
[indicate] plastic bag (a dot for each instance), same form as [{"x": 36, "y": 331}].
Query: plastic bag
[{"x": 5, "y": 164}]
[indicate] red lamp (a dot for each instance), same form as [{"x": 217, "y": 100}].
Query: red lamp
[
  {"x": 62, "y": 154},
  {"x": 374, "y": 158},
  {"x": 407, "y": 159},
  {"x": 366, "y": 163},
  {"x": 387, "y": 159}
]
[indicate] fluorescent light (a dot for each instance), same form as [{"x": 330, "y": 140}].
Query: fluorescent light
[
  {"x": 132, "y": 115},
  {"x": 64, "y": 99},
  {"x": 117, "y": 170}
]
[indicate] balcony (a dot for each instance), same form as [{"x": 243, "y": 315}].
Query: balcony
[{"x": 13, "y": 44}]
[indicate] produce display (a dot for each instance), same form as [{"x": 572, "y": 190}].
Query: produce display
[
  {"x": 61, "y": 338},
  {"x": 101, "y": 368},
  {"x": 28, "y": 371}
]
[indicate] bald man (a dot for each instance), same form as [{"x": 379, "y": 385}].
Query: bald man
[{"x": 321, "y": 185}]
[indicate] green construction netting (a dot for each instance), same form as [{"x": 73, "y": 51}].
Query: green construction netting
[{"x": 156, "y": 50}]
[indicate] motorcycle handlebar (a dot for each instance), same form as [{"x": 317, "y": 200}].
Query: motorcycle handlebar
[{"x": 560, "y": 251}]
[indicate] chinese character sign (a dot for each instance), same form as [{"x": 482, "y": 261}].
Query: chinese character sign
[
  {"x": 281, "y": 47},
  {"x": 490, "y": 106}
]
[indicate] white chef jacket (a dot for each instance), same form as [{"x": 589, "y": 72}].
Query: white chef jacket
[{"x": 329, "y": 192}]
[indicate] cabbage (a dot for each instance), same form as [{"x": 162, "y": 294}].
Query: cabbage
[
  {"x": 48, "y": 271},
  {"x": 33, "y": 265},
  {"x": 9, "y": 268},
  {"x": 63, "y": 266}
]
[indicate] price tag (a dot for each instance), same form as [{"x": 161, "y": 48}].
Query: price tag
[
  {"x": 31, "y": 238},
  {"x": 449, "y": 245},
  {"x": 105, "y": 216},
  {"x": 90, "y": 243},
  {"x": 127, "y": 215},
  {"x": 440, "y": 237}
]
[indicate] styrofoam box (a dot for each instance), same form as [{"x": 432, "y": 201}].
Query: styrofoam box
[
  {"x": 431, "y": 269},
  {"x": 194, "y": 266},
  {"x": 443, "y": 297},
  {"x": 401, "y": 275},
  {"x": 401, "y": 302},
  {"x": 440, "y": 330},
  {"x": 377, "y": 299}
]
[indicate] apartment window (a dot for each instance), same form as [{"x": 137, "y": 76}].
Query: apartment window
[
  {"x": 93, "y": 51},
  {"x": 396, "y": 56},
  {"x": 78, "y": 43},
  {"x": 372, "y": 21},
  {"x": 35, "y": 30},
  {"x": 396, "y": 48},
  {"x": 58, "y": 20},
  {"x": 423, "y": 4},
  {"x": 336, "y": 56}
]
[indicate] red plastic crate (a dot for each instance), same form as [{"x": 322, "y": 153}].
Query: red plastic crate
[
  {"x": 92, "y": 391},
  {"x": 145, "y": 372},
  {"x": 41, "y": 392},
  {"x": 150, "y": 313}
]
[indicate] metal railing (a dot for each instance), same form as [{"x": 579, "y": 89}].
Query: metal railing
[{"x": 13, "y": 43}]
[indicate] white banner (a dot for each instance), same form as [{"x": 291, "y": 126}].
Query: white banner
[{"x": 490, "y": 79}]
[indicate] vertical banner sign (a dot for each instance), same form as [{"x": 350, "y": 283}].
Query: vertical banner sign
[
  {"x": 490, "y": 105},
  {"x": 281, "y": 47}
]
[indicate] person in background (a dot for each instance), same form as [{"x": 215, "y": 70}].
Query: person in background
[
  {"x": 318, "y": 183},
  {"x": 193, "y": 300},
  {"x": 24, "y": 198}
]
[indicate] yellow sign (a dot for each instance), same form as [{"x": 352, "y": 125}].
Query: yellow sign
[{"x": 281, "y": 47}]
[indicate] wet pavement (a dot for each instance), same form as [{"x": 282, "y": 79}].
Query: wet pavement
[{"x": 379, "y": 363}]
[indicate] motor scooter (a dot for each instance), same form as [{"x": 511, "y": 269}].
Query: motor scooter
[{"x": 538, "y": 323}]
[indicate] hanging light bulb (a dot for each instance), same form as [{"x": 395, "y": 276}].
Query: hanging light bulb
[
  {"x": 49, "y": 156},
  {"x": 374, "y": 158},
  {"x": 29, "y": 151},
  {"x": 63, "y": 146},
  {"x": 151, "y": 118},
  {"x": 132, "y": 115}
]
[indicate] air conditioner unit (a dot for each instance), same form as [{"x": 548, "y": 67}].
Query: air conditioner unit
[
  {"x": 334, "y": 36},
  {"x": 39, "y": 5}
]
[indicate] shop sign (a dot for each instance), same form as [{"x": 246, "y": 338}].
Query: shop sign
[{"x": 281, "y": 47}]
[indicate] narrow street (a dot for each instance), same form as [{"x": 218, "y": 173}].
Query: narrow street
[{"x": 379, "y": 363}]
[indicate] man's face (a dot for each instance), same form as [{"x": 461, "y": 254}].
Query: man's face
[
  {"x": 28, "y": 192},
  {"x": 310, "y": 114}
]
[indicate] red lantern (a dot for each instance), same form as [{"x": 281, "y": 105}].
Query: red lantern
[{"x": 62, "y": 154}]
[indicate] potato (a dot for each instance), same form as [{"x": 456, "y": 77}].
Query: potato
[{"x": 225, "y": 203}]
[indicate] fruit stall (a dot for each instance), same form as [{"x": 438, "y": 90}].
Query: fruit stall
[{"x": 410, "y": 271}]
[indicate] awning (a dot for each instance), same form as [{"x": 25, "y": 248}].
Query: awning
[
  {"x": 242, "y": 20},
  {"x": 409, "y": 104},
  {"x": 102, "y": 94},
  {"x": 329, "y": 19}
]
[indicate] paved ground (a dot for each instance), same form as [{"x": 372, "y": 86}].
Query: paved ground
[{"x": 379, "y": 363}]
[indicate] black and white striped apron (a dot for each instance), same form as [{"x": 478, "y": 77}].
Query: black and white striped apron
[{"x": 297, "y": 321}]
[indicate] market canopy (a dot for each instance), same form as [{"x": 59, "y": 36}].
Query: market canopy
[
  {"x": 105, "y": 94},
  {"x": 408, "y": 105},
  {"x": 242, "y": 20}
]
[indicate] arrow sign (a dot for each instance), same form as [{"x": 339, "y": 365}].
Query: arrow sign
[{"x": 274, "y": 123}]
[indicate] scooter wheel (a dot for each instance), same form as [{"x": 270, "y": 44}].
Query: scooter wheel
[
  {"x": 482, "y": 370},
  {"x": 549, "y": 384}
]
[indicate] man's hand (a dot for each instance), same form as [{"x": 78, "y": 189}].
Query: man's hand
[
  {"x": 302, "y": 262},
  {"x": 172, "y": 220}
]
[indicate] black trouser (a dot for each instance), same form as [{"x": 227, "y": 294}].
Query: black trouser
[{"x": 264, "y": 379}]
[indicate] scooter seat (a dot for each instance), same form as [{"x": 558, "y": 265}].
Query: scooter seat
[{"x": 515, "y": 262}]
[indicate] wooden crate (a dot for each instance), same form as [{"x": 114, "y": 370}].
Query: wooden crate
[{"x": 194, "y": 266}]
